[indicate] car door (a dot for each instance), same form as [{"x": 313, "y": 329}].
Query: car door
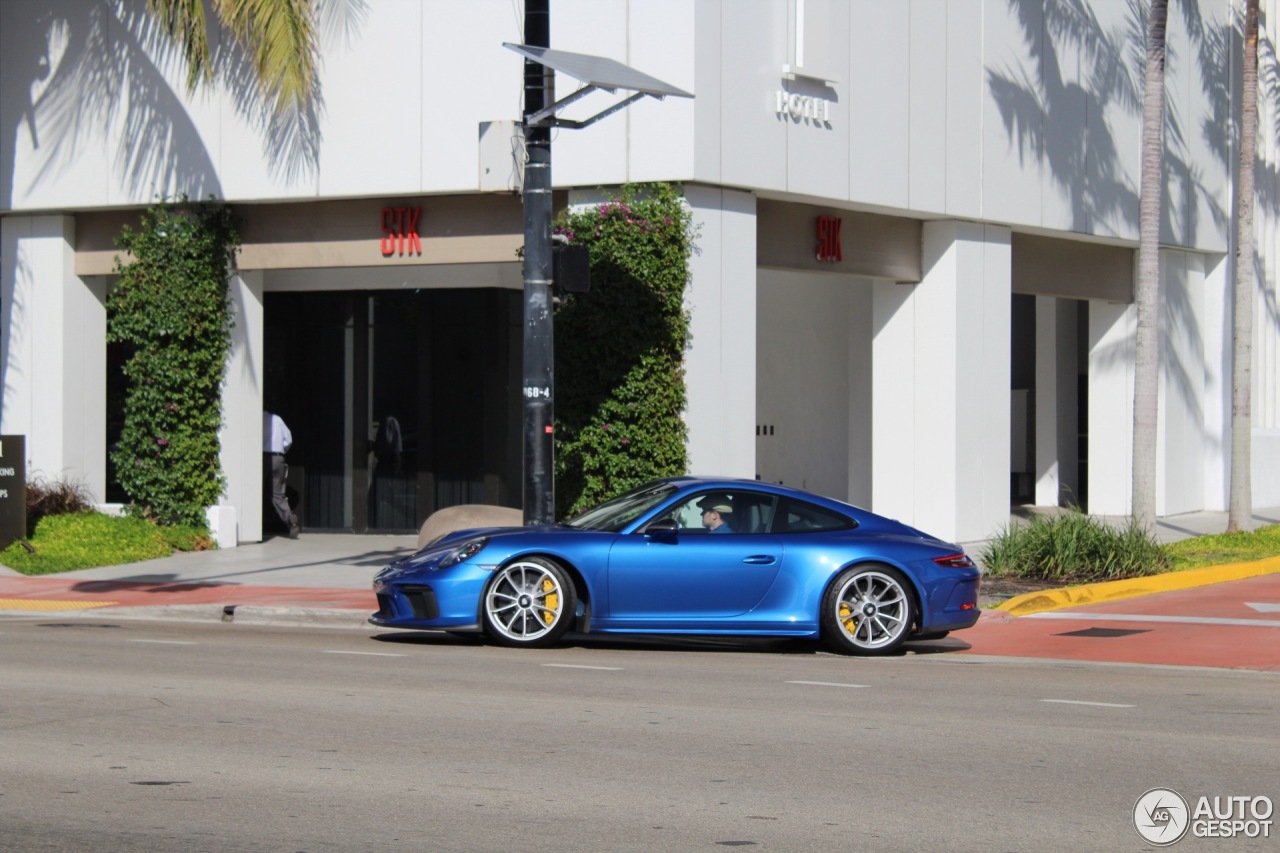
[{"x": 694, "y": 575}]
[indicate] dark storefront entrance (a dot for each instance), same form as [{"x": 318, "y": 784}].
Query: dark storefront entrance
[{"x": 400, "y": 402}]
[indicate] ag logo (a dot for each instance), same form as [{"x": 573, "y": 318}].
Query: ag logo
[{"x": 1161, "y": 816}]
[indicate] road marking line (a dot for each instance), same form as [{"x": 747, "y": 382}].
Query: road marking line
[
  {"x": 366, "y": 654},
  {"x": 1093, "y": 704},
  {"x": 826, "y": 684},
  {"x": 167, "y": 642},
  {"x": 1263, "y": 606},
  {"x": 583, "y": 666},
  {"x": 41, "y": 604},
  {"x": 1135, "y": 617}
]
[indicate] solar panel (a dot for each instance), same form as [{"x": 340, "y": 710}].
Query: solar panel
[{"x": 598, "y": 71}]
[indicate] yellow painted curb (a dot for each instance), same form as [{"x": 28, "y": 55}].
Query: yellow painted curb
[
  {"x": 1096, "y": 593},
  {"x": 37, "y": 604}
]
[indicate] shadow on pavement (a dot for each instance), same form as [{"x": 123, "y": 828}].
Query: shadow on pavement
[{"x": 749, "y": 645}]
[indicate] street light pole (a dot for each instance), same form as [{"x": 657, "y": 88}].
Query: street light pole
[{"x": 539, "y": 353}]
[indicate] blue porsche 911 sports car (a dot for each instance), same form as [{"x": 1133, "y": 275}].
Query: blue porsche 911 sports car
[{"x": 690, "y": 555}]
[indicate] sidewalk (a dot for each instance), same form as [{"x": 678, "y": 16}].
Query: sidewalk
[{"x": 317, "y": 579}]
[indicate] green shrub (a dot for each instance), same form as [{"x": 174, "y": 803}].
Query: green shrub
[
  {"x": 619, "y": 350},
  {"x": 58, "y": 496},
  {"x": 85, "y": 540},
  {"x": 1075, "y": 548},
  {"x": 171, "y": 304}
]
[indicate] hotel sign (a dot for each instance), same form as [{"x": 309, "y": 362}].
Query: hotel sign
[{"x": 803, "y": 107}]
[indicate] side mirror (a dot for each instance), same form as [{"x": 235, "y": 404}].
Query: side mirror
[{"x": 661, "y": 527}]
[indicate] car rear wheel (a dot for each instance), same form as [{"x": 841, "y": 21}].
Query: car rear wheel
[
  {"x": 529, "y": 602},
  {"x": 868, "y": 610}
]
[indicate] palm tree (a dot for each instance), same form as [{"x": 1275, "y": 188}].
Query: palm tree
[
  {"x": 1146, "y": 375},
  {"x": 279, "y": 37},
  {"x": 1240, "y": 510}
]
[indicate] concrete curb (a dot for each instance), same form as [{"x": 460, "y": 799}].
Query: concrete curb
[{"x": 1096, "y": 593}]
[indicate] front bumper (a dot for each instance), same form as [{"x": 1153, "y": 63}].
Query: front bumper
[{"x": 448, "y": 598}]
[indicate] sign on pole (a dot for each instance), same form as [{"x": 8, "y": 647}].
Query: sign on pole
[{"x": 13, "y": 489}]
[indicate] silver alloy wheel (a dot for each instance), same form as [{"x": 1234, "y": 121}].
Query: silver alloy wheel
[
  {"x": 873, "y": 610},
  {"x": 525, "y": 601}
]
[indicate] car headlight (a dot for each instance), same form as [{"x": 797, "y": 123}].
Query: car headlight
[{"x": 465, "y": 551}]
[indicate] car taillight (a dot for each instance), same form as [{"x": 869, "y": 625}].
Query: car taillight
[{"x": 954, "y": 561}]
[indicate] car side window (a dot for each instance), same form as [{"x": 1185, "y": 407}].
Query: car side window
[
  {"x": 719, "y": 512},
  {"x": 804, "y": 517}
]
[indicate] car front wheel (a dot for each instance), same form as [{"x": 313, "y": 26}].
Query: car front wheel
[
  {"x": 529, "y": 602},
  {"x": 868, "y": 610}
]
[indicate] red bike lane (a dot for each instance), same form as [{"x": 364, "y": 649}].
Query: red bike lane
[{"x": 1234, "y": 625}]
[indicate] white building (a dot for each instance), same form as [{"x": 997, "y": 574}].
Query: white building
[{"x": 969, "y": 345}]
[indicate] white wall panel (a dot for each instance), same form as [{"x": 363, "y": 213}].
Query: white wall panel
[
  {"x": 375, "y": 107},
  {"x": 966, "y": 91},
  {"x": 802, "y": 380},
  {"x": 594, "y": 155},
  {"x": 708, "y": 125},
  {"x": 927, "y": 106},
  {"x": 468, "y": 78},
  {"x": 877, "y": 86},
  {"x": 820, "y": 142},
  {"x": 660, "y": 144},
  {"x": 720, "y": 365},
  {"x": 1060, "y": 71},
  {"x": 1113, "y": 159},
  {"x": 1012, "y": 115},
  {"x": 754, "y": 136}
]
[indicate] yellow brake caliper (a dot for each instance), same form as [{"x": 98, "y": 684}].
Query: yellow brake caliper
[
  {"x": 847, "y": 618},
  {"x": 550, "y": 599}
]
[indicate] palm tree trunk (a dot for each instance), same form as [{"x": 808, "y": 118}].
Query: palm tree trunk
[
  {"x": 1146, "y": 375},
  {"x": 1240, "y": 511}
]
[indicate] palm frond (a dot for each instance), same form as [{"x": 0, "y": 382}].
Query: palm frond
[
  {"x": 184, "y": 22},
  {"x": 280, "y": 38}
]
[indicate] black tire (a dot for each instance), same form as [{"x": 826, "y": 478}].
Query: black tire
[
  {"x": 529, "y": 602},
  {"x": 868, "y": 610}
]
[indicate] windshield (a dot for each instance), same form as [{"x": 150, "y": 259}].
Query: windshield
[{"x": 612, "y": 516}]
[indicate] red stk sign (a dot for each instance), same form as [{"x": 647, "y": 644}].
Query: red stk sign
[
  {"x": 829, "y": 238},
  {"x": 400, "y": 231}
]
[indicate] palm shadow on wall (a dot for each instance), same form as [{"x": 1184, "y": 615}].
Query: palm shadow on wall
[
  {"x": 1084, "y": 162},
  {"x": 80, "y": 74}
]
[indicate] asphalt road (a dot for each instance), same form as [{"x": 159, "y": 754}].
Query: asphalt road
[{"x": 132, "y": 736}]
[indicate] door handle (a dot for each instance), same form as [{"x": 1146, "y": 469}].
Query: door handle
[{"x": 760, "y": 559}]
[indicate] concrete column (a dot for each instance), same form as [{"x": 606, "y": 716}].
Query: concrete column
[
  {"x": 1048, "y": 483},
  {"x": 1057, "y": 482},
  {"x": 241, "y": 433},
  {"x": 720, "y": 366},
  {"x": 940, "y": 386},
  {"x": 52, "y": 351},
  {"x": 1181, "y": 448},
  {"x": 1217, "y": 332},
  {"x": 1112, "y": 333}
]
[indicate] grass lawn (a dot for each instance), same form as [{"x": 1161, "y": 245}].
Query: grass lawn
[
  {"x": 85, "y": 540},
  {"x": 1222, "y": 548}
]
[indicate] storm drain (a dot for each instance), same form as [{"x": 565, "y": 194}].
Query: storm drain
[{"x": 1104, "y": 632}]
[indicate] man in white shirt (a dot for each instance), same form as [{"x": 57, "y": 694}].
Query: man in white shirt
[{"x": 276, "y": 441}]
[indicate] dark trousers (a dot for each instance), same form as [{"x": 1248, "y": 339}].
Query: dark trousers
[{"x": 273, "y": 474}]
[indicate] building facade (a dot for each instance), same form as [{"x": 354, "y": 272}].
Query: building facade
[{"x": 913, "y": 285}]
